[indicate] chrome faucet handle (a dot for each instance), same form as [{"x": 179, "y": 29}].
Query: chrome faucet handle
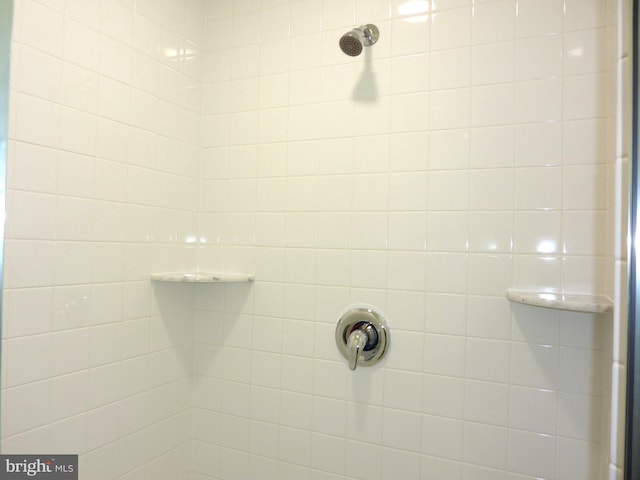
[{"x": 355, "y": 344}]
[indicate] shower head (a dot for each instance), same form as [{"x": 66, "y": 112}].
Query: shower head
[{"x": 354, "y": 41}]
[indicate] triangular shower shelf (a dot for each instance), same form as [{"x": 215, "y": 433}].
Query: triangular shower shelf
[
  {"x": 562, "y": 301},
  {"x": 202, "y": 277}
]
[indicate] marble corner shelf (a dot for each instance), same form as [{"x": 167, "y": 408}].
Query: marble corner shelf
[
  {"x": 562, "y": 301},
  {"x": 202, "y": 277}
]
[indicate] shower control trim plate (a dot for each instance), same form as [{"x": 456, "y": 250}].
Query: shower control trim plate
[{"x": 362, "y": 336}]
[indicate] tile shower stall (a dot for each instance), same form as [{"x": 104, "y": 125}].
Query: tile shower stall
[{"x": 479, "y": 145}]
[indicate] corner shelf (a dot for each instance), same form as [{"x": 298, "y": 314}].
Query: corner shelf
[
  {"x": 202, "y": 277},
  {"x": 562, "y": 301}
]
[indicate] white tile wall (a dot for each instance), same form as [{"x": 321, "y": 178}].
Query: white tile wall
[
  {"x": 103, "y": 159},
  {"x": 462, "y": 154},
  {"x": 464, "y": 174},
  {"x": 614, "y": 365}
]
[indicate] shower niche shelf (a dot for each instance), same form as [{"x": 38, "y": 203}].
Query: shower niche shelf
[
  {"x": 562, "y": 301},
  {"x": 202, "y": 277}
]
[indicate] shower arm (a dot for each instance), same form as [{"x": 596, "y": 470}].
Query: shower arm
[{"x": 368, "y": 33}]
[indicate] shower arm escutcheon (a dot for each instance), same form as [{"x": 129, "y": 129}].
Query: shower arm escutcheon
[{"x": 362, "y": 336}]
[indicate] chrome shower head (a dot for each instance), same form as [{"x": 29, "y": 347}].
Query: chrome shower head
[
  {"x": 351, "y": 44},
  {"x": 354, "y": 41}
]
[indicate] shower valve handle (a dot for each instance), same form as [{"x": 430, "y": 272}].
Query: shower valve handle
[{"x": 355, "y": 344}]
